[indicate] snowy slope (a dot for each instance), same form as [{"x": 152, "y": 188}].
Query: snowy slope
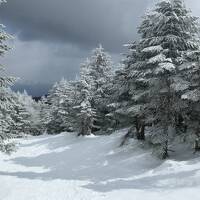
[{"x": 65, "y": 167}]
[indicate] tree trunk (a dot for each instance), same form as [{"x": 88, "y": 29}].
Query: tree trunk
[
  {"x": 142, "y": 132},
  {"x": 196, "y": 143},
  {"x": 129, "y": 135},
  {"x": 82, "y": 130},
  {"x": 165, "y": 153},
  {"x": 140, "y": 129}
]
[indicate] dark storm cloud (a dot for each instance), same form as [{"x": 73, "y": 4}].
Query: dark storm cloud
[{"x": 81, "y": 22}]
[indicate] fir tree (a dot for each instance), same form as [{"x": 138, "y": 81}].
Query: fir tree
[
  {"x": 5, "y": 101},
  {"x": 153, "y": 67},
  {"x": 23, "y": 114},
  {"x": 191, "y": 72},
  {"x": 61, "y": 100},
  {"x": 99, "y": 73},
  {"x": 86, "y": 114},
  {"x": 44, "y": 114}
]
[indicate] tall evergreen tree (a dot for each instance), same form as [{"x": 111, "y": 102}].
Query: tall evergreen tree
[
  {"x": 99, "y": 72},
  {"x": 5, "y": 101},
  {"x": 96, "y": 75},
  {"x": 153, "y": 67},
  {"x": 191, "y": 97},
  {"x": 86, "y": 114}
]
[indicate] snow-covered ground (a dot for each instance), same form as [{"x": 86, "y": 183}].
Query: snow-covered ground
[{"x": 64, "y": 167}]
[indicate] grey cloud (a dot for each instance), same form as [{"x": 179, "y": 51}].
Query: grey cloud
[
  {"x": 81, "y": 22},
  {"x": 43, "y": 62}
]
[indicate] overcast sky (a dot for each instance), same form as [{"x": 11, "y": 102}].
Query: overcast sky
[{"x": 52, "y": 37}]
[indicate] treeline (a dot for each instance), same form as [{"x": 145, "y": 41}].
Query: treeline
[{"x": 156, "y": 92}]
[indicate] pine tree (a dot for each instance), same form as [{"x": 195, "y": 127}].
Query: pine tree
[
  {"x": 5, "y": 101},
  {"x": 67, "y": 102},
  {"x": 100, "y": 71},
  {"x": 153, "y": 67},
  {"x": 23, "y": 114},
  {"x": 53, "y": 100},
  {"x": 44, "y": 114},
  {"x": 99, "y": 67},
  {"x": 191, "y": 73},
  {"x": 86, "y": 114},
  {"x": 6, "y": 109},
  {"x": 131, "y": 95},
  {"x": 61, "y": 100}
]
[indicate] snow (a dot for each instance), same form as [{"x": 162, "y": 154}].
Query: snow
[
  {"x": 64, "y": 167},
  {"x": 167, "y": 66},
  {"x": 180, "y": 84},
  {"x": 193, "y": 95},
  {"x": 156, "y": 59},
  {"x": 153, "y": 49}
]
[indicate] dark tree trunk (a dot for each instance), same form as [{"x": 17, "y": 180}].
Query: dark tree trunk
[
  {"x": 129, "y": 135},
  {"x": 142, "y": 132},
  {"x": 196, "y": 146},
  {"x": 165, "y": 154},
  {"x": 180, "y": 124},
  {"x": 140, "y": 129},
  {"x": 197, "y": 141},
  {"x": 165, "y": 150}
]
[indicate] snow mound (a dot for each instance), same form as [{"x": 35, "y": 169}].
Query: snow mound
[{"x": 64, "y": 167}]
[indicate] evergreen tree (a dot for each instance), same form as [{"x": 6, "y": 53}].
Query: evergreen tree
[
  {"x": 44, "y": 114},
  {"x": 153, "y": 67},
  {"x": 86, "y": 114},
  {"x": 100, "y": 72},
  {"x": 23, "y": 114},
  {"x": 191, "y": 97},
  {"x": 5, "y": 101},
  {"x": 99, "y": 75},
  {"x": 6, "y": 109},
  {"x": 61, "y": 100},
  {"x": 130, "y": 93}
]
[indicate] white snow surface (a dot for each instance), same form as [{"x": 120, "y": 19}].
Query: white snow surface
[
  {"x": 64, "y": 167},
  {"x": 157, "y": 48}
]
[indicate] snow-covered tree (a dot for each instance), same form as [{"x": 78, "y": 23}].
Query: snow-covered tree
[
  {"x": 25, "y": 114},
  {"x": 86, "y": 114},
  {"x": 153, "y": 67},
  {"x": 6, "y": 109},
  {"x": 191, "y": 73},
  {"x": 99, "y": 73},
  {"x": 175, "y": 31},
  {"x": 45, "y": 114},
  {"x": 61, "y": 101},
  {"x": 130, "y": 95},
  {"x": 5, "y": 101}
]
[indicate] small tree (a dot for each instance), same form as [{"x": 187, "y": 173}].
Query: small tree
[
  {"x": 44, "y": 115},
  {"x": 23, "y": 114},
  {"x": 61, "y": 100}
]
